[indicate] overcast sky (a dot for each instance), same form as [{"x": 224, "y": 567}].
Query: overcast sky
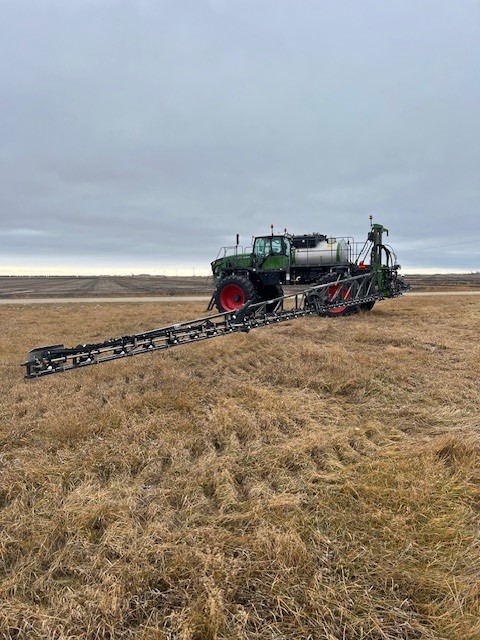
[{"x": 142, "y": 135}]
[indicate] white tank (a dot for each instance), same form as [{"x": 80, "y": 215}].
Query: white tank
[{"x": 330, "y": 251}]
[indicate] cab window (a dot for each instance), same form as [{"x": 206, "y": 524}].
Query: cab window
[
  {"x": 262, "y": 247},
  {"x": 275, "y": 246}
]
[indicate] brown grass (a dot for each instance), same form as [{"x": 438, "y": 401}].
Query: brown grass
[{"x": 314, "y": 479}]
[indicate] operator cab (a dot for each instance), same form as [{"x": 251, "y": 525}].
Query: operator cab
[{"x": 265, "y": 246}]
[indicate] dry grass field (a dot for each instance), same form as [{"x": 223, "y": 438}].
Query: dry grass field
[{"x": 314, "y": 479}]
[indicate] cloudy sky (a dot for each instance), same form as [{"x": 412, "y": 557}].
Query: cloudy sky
[{"x": 142, "y": 135}]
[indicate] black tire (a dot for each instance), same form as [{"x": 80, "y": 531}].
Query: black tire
[
  {"x": 339, "y": 311},
  {"x": 233, "y": 292},
  {"x": 270, "y": 292},
  {"x": 313, "y": 302},
  {"x": 367, "y": 306}
]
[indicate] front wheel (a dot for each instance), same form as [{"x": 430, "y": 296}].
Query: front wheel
[{"x": 233, "y": 292}]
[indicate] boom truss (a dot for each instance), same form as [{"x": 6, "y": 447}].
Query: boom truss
[{"x": 349, "y": 292}]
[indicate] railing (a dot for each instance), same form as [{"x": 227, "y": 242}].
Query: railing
[{"x": 234, "y": 251}]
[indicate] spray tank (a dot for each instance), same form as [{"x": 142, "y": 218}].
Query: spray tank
[{"x": 318, "y": 250}]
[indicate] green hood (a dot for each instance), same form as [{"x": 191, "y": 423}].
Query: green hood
[{"x": 240, "y": 261}]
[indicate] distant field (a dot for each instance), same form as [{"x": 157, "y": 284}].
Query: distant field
[
  {"x": 129, "y": 286},
  {"x": 445, "y": 282},
  {"x": 314, "y": 479},
  {"x": 102, "y": 286}
]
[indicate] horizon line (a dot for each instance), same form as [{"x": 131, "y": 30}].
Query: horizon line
[{"x": 183, "y": 273}]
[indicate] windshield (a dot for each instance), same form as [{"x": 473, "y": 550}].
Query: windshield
[{"x": 270, "y": 246}]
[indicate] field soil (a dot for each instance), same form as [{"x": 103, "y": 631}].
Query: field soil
[
  {"x": 134, "y": 286},
  {"x": 444, "y": 282},
  {"x": 315, "y": 479},
  {"x": 102, "y": 286}
]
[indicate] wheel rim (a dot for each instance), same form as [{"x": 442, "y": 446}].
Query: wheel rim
[
  {"x": 337, "y": 292},
  {"x": 232, "y": 297}
]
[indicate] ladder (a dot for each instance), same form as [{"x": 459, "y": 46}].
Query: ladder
[{"x": 347, "y": 292}]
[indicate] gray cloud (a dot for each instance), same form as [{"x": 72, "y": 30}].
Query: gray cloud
[{"x": 147, "y": 132}]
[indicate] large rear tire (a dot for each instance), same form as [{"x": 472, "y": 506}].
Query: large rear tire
[
  {"x": 337, "y": 292},
  {"x": 233, "y": 292}
]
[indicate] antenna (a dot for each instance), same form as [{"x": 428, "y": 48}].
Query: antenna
[{"x": 271, "y": 227}]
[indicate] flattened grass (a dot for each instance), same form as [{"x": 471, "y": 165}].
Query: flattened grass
[{"x": 314, "y": 479}]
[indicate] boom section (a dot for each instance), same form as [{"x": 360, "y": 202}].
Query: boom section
[{"x": 349, "y": 292}]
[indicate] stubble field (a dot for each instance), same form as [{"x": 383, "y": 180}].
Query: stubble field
[
  {"x": 315, "y": 479},
  {"x": 102, "y": 286}
]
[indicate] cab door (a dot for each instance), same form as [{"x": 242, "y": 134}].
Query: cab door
[{"x": 276, "y": 254}]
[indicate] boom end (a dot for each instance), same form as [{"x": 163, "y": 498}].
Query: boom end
[{"x": 38, "y": 360}]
